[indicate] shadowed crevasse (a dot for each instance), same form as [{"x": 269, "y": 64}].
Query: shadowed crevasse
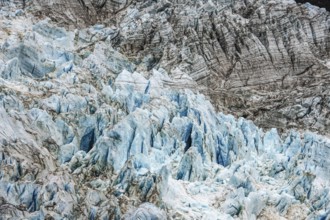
[
  {"x": 87, "y": 141},
  {"x": 321, "y": 3}
]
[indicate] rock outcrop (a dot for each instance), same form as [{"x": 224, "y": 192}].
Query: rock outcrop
[{"x": 110, "y": 122}]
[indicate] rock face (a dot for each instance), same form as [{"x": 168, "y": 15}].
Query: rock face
[
  {"x": 264, "y": 60},
  {"x": 81, "y": 12},
  {"x": 109, "y": 122}
]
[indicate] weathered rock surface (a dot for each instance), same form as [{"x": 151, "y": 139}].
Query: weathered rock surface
[{"x": 93, "y": 129}]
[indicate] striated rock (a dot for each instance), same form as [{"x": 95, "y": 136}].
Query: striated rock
[{"x": 81, "y": 13}]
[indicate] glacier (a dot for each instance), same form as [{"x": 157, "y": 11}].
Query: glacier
[
  {"x": 86, "y": 134},
  {"x": 149, "y": 141}
]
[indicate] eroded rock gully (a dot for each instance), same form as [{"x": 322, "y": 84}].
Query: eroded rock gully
[{"x": 109, "y": 121}]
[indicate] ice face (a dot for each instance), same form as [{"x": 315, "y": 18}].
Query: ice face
[
  {"x": 157, "y": 141},
  {"x": 179, "y": 130}
]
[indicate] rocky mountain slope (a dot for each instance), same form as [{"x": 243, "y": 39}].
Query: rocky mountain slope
[{"x": 112, "y": 120}]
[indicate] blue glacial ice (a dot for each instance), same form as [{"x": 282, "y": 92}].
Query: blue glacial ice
[{"x": 150, "y": 141}]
